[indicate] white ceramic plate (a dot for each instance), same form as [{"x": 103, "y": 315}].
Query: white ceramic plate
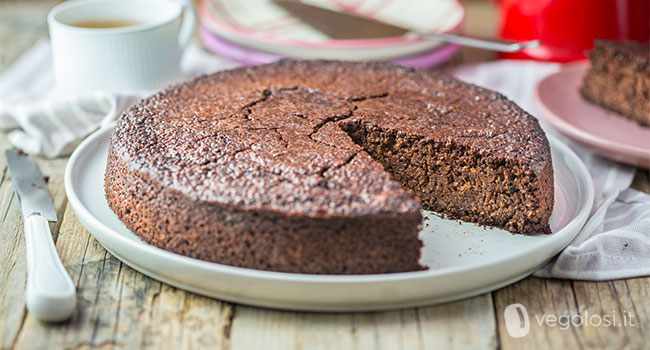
[
  {"x": 265, "y": 26},
  {"x": 464, "y": 260}
]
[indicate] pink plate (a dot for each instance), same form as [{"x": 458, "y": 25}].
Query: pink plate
[{"x": 607, "y": 133}]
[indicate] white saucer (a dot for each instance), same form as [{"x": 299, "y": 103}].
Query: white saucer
[{"x": 464, "y": 259}]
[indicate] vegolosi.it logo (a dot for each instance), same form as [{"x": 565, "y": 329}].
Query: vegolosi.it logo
[
  {"x": 516, "y": 318},
  {"x": 518, "y": 322}
]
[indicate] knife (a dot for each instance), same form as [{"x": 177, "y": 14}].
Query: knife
[
  {"x": 345, "y": 25},
  {"x": 50, "y": 294}
]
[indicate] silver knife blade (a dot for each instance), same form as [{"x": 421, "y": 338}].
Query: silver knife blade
[
  {"x": 30, "y": 186},
  {"x": 344, "y": 25},
  {"x": 339, "y": 25}
]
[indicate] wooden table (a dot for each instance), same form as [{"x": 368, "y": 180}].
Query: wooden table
[{"x": 121, "y": 308}]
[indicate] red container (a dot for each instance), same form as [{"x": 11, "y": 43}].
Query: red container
[{"x": 567, "y": 28}]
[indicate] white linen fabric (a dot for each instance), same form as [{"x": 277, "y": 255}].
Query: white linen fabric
[
  {"x": 44, "y": 122},
  {"x": 614, "y": 243}
]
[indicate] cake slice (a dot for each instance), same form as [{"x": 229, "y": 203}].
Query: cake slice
[{"x": 619, "y": 79}]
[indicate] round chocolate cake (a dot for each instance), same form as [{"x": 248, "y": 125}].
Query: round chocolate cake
[{"x": 323, "y": 167}]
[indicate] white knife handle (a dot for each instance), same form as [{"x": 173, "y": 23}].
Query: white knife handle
[{"x": 51, "y": 296}]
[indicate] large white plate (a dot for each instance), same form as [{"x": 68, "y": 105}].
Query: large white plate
[
  {"x": 265, "y": 26},
  {"x": 464, "y": 259}
]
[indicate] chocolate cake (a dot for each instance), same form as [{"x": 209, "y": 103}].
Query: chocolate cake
[
  {"x": 619, "y": 79},
  {"x": 323, "y": 167}
]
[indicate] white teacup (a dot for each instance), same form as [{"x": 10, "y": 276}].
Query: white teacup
[{"x": 119, "y": 45}]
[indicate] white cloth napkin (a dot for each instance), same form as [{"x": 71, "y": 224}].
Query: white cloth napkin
[
  {"x": 614, "y": 243},
  {"x": 44, "y": 122}
]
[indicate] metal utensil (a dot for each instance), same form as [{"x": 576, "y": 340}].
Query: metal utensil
[
  {"x": 340, "y": 25},
  {"x": 50, "y": 294}
]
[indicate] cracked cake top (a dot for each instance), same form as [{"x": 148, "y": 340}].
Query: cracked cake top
[{"x": 269, "y": 137}]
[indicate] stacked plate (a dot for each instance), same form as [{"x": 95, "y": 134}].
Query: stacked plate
[{"x": 259, "y": 31}]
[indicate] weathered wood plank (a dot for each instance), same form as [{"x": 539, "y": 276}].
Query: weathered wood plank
[
  {"x": 540, "y": 297},
  {"x": 641, "y": 181},
  {"x": 184, "y": 320},
  {"x": 436, "y": 327},
  {"x": 12, "y": 269},
  {"x": 21, "y": 25},
  {"x": 206, "y": 323},
  {"x": 119, "y": 308},
  {"x": 618, "y": 301},
  {"x": 592, "y": 315},
  {"x": 465, "y": 324}
]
